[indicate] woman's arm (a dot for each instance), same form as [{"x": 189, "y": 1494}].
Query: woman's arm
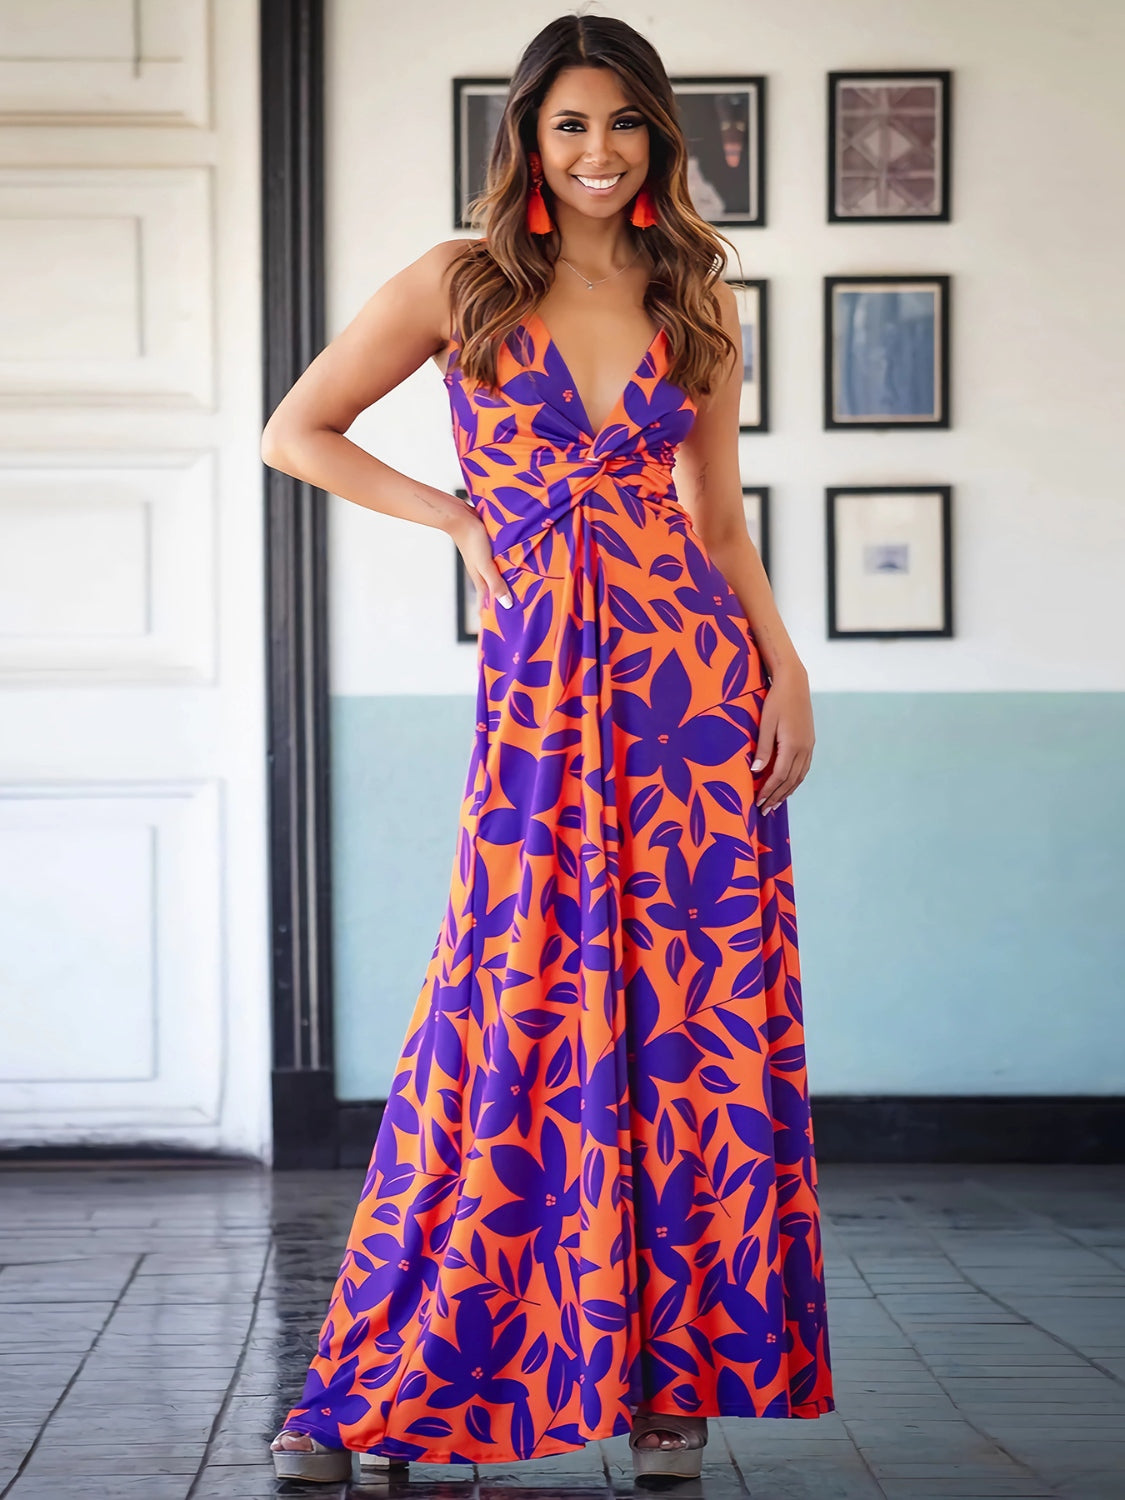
[
  {"x": 403, "y": 324},
  {"x": 709, "y": 484}
]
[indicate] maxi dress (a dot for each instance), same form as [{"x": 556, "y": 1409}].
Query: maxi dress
[{"x": 594, "y": 1182}]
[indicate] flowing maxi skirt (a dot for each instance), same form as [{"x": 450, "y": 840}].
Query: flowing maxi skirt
[{"x": 594, "y": 1182}]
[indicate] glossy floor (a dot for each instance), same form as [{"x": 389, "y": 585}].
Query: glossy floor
[{"x": 155, "y": 1323}]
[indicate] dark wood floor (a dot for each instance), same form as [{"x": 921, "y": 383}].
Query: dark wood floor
[{"x": 155, "y": 1325}]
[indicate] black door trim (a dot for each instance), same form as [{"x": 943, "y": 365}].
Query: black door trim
[{"x": 292, "y": 167}]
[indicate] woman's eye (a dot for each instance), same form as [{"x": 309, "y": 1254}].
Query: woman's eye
[{"x": 632, "y": 122}]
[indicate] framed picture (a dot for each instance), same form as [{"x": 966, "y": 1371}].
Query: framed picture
[
  {"x": 886, "y": 351},
  {"x": 723, "y": 120},
  {"x": 468, "y": 596},
  {"x": 756, "y": 508},
  {"x": 753, "y": 301},
  {"x": 724, "y": 124},
  {"x": 888, "y": 146},
  {"x": 478, "y": 104},
  {"x": 889, "y": 561}
]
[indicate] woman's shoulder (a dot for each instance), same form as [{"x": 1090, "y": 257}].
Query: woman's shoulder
[
  {"x": 437, "y": 264},
  {"x": 424, "y": 285},
  {"x": 446, "y": 253}
]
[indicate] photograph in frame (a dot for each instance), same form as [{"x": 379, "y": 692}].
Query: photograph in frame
[
  {"x": 724, "y": 124},
  {"x": 756, "y": 509},
  {"x": 886, "y": 351},
  {"x": 889, "y": 146},
  {"x": 467, "y": 594},
  {"x": 478, "y": 105},
  {"x": 889, "y": 564},
  {"x": 752, "y": 297}
]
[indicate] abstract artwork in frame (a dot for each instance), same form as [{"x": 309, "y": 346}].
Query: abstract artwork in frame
[
  {"x": 756, "y": 509},
  {"x": 468, "y": 596},
  {"x": 724, "y": 125},
  {"x": 889, "y": 557},
  {"x": 886, "y": 351},
  {"x": 753, "y": 305},
  {"x": 889, "y": 146},
  {"x": 478, "y": 104}
]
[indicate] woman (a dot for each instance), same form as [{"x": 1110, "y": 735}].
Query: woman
[{"x": 592, "y": 1205}]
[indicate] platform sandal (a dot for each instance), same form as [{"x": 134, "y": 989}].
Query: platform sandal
[
  {"x": 375, "y": 1469},
  {"x": 682, "y": 1462},
  {"x": 317, "y": 1465}
]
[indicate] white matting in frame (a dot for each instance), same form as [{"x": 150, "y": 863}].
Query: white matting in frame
[
  {"x": 468, "y": 596},
  {"x": 753, "y": 308},
  {"x": 889, "y": 560}
]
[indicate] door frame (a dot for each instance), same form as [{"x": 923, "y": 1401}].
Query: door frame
[{"x": 291, "y": 71}]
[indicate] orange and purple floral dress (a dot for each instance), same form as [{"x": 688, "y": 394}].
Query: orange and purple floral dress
[{"x": 594, "y": 1183}]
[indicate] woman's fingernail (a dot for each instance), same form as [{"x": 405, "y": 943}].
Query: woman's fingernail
[
  {"x": 506, "y": 600},
  {"x": 757, "y": 766}
]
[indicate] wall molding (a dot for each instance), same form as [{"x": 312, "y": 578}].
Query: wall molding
[{"x": 292, "y": 127}]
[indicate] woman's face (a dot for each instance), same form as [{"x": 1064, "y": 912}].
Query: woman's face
[{"x": 592, "y": 141}]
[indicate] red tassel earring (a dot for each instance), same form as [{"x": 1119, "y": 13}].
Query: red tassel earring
[
  {"x": 539, "y": 220},
  {"x": 643, "y": 213}
]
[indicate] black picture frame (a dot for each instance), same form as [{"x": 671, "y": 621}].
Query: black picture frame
[
  {"x": 762, "y": 540},
  {"x": 759, "y": 288},
  {"x": 467, "y": 597},
  {"x": 833, "y": 495},
  {"x": 710, "y": 156},
  {"x": 883, "y": 356},
  {"x": 475, "y": 102},
  {"x": 866, "y": 139}
]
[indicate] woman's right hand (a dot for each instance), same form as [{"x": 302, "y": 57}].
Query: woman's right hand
[{"x": 475, "y": 546}]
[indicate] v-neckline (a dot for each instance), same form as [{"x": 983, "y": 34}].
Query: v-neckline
[{"x": 617, "y": 405}]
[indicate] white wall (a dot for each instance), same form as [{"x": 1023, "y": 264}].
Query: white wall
[{"x": 1038, "y": 321}]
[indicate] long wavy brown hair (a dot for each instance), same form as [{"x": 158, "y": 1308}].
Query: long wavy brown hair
[{"x": 502, "y": 277}]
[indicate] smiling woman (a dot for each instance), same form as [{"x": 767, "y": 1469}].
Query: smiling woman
[{"x": 592, "y": 1204}]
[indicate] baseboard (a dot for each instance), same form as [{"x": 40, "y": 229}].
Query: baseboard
[
  {"x": 1060, "y": 1128},
  {"x": 904, "y": 1128},
  {"x": 312, "y": 1130}
]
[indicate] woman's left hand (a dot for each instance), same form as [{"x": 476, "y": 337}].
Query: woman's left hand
[{"x": 787, "y": 726}]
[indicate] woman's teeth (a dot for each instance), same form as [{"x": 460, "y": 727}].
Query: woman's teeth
[{"x": 600, "y": 182}]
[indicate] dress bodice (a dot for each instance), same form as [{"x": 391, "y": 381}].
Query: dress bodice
[{"x": 528, "y": 451}]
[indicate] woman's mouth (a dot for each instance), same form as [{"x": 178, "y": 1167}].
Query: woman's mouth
[{"x": 599, "y": 187}]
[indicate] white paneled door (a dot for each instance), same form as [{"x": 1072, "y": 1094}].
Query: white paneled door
[{"x": 133, "y": 920}]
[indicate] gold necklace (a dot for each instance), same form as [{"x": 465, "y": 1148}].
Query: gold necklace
[{"x": 590, "y": 285}]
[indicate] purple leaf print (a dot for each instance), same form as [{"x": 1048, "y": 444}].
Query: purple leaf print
[
  {"x": 667, "y": 566},
  {"x": 600, "y": 1111},
  {"x": 629, "y": 611}
]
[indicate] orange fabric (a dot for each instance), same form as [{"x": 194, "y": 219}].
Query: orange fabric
[{"x": 594, "y": 1182}]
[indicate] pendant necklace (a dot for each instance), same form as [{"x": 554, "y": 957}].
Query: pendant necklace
[{"x": 590, "y": 285}]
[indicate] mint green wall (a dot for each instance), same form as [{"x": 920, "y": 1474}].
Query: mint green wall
[{"x": 959, "y": 870}]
